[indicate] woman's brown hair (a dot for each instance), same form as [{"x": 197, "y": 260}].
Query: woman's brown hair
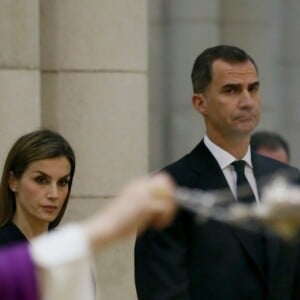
[{"x": 36, "y": 145}]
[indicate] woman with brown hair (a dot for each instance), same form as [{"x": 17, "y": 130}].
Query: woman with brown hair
[{"x": 35, "y": 185}]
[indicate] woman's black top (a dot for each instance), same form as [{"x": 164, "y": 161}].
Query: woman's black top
[{"x": 10, "y": 234}]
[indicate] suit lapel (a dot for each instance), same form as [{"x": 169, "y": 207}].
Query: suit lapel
[
  {"x": 281, "y": 274},
  {"x": 272, "y": 243},
  {"x": 204, "y": 163},
  {"x": 280, "y": 257}
]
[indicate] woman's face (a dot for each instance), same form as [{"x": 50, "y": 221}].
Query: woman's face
[{"x": 42, "y": 190}]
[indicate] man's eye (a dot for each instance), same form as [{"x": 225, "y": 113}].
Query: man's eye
[
  {"x": 229, "y": 91},
  {"x": 253, "y": 89}
]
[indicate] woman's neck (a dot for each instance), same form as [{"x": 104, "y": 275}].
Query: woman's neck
[{"x": 32, "y": 228}]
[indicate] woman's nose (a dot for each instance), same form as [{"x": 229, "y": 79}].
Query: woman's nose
[{"x": 52, "y": 192}]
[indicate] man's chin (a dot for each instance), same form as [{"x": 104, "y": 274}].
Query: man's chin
[
  {"x": 245, "y": 131},
  {"x": 247, "y": 127}
]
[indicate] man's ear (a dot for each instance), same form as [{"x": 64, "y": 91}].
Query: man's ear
[
  {"x": 200, "y": 103},
  {"x": 12, "y": 182}
]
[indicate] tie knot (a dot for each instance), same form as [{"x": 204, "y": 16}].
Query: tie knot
[
  {"x": 244, "y": 191},
  {"x": 239, "y": 166}
]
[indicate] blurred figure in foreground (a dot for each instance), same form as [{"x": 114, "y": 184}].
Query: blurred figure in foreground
[{"x": 57, "y": 265}]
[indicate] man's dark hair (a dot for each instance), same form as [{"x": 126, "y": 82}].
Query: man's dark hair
[
  {"x": 202, "y": 69},
  {"x": 269, "y": 140}
]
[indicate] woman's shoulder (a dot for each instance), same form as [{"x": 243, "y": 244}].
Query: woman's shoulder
[{"x": 10, "y": 234}]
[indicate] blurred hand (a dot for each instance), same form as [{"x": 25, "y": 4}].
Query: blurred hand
[
  {"x": 146, "y": 202},
  {"x": 149, "y": 202}
]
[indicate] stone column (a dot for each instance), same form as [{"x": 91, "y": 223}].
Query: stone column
[
  {"x": 256, "y": 26},
  {"x": 181, "y": 29},
  {"x": 94, "y": 91},
  {"x": 19, "y": 71},
  {"x": 290, "y": 73}
]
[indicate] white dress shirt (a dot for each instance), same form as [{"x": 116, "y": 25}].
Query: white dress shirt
[{"x": 225, "y": 159}]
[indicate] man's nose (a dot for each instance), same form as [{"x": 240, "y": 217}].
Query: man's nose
[{"x": 246, "y": 98}]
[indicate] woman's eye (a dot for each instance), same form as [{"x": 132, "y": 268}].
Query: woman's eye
[
  {"x": 41, "y": 180},
  {"x": 64, "y": 182}
]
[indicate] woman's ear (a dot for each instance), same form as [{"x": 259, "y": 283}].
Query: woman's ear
[
  {"x": 200, "y": 103},
  {"x": 12, "y": 182}
]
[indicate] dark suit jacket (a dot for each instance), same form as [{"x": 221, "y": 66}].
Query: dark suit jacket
[
  {"x": 10, "y": 234},
  {"x": 213, "y": 260}
]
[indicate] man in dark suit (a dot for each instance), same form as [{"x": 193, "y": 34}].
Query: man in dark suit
[
  {"x": 270, "y": 144},
  {"x": 213, "y": 260}
]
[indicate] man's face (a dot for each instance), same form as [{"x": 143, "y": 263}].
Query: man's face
[
  {"x": 278, "y": 154},
  {"x": 231, "y": 102}
]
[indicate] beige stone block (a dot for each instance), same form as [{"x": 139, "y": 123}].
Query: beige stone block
[
  {"x": 20, "y": 106},
  {"x": 115, "y": 268},
  {"x": 94, "y": 35},
  {"x": 158, "y": 62},
  {"x": 81, "y": 207},
  {"x": 170, "y": 87},
  {"x": 188, "y": 42},
  {"x": 104, "y": 116},
  {"x": 252, "y": 11},
  {"x": 113, "y": 264},
  {"x": 19, "y": 32},
  {"x": 292, "y": 104},
  {"x": 193, "y": 10},
  {"x": 156, "y": 12},
  {"x": 187, "y": 128},
  {"x": 158, "y": 138},
  {"x": 243, "y": 35},
  {"x": 291, "y": 25},
  {"x": 183, "y": 11}
]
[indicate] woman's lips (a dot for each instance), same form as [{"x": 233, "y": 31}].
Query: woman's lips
[{"x": 49, "y": 208}]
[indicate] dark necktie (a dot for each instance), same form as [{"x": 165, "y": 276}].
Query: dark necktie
[
  {"x": 245, "y": 195},
  {"x": 244, "y": 191}
]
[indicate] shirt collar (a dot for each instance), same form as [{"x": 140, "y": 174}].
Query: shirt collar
[{"x": 224, "y": 158}]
